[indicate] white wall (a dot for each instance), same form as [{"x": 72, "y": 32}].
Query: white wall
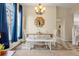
[
  {"x": 68, "y": 25},
  {"x": 49, "y": 16},
  {"x": 76, "y": 17},
  {"x": 65, "y": 14},
  {"x": 24, "y": 17}
]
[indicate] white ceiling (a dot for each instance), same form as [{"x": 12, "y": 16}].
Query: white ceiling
[{"x": 55, "y": 4}]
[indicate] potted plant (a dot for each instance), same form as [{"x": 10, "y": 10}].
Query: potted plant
[{"x": 2, "y": 50}]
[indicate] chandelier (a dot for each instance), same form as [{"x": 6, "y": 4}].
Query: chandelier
[{"x": 40, "y": 9}]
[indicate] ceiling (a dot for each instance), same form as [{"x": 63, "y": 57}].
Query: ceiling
[{"x": 54, "y": 4}]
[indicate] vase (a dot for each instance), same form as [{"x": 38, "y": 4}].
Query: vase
[{"x": 3, "y": 52}]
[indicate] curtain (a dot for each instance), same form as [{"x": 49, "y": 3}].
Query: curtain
[
  {"x": 1, "y": 17},
  {"x": 4, "y": 26},
  {"x": 20, "y": 22},
  {"x": 14, "y": 24}
]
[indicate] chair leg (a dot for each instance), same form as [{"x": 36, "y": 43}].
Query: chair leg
[{"x": 65, "y": 45}]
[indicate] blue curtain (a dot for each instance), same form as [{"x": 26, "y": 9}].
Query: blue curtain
[
  {"x": 1, "y": 16},
  {"x": 3, "y": 26},
  {"x": 14, "y": 24},
  {"x": 20, "y": 28}
]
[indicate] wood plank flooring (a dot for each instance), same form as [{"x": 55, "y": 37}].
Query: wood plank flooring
[{"x": 56, "y": 51}]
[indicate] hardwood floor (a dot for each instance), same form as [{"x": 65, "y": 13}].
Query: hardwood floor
[
  {"x": 56, "y": 51},
  {"x": 46, "y": 53}
]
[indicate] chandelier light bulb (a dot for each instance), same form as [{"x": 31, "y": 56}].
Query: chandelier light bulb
[{"x": 40, "y": 9}]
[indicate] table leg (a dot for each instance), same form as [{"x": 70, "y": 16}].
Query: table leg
[
  {"x": 29, "y": 45},
  {"x": 54, "y": 44},
  {"x": 50, "y": 46}
]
